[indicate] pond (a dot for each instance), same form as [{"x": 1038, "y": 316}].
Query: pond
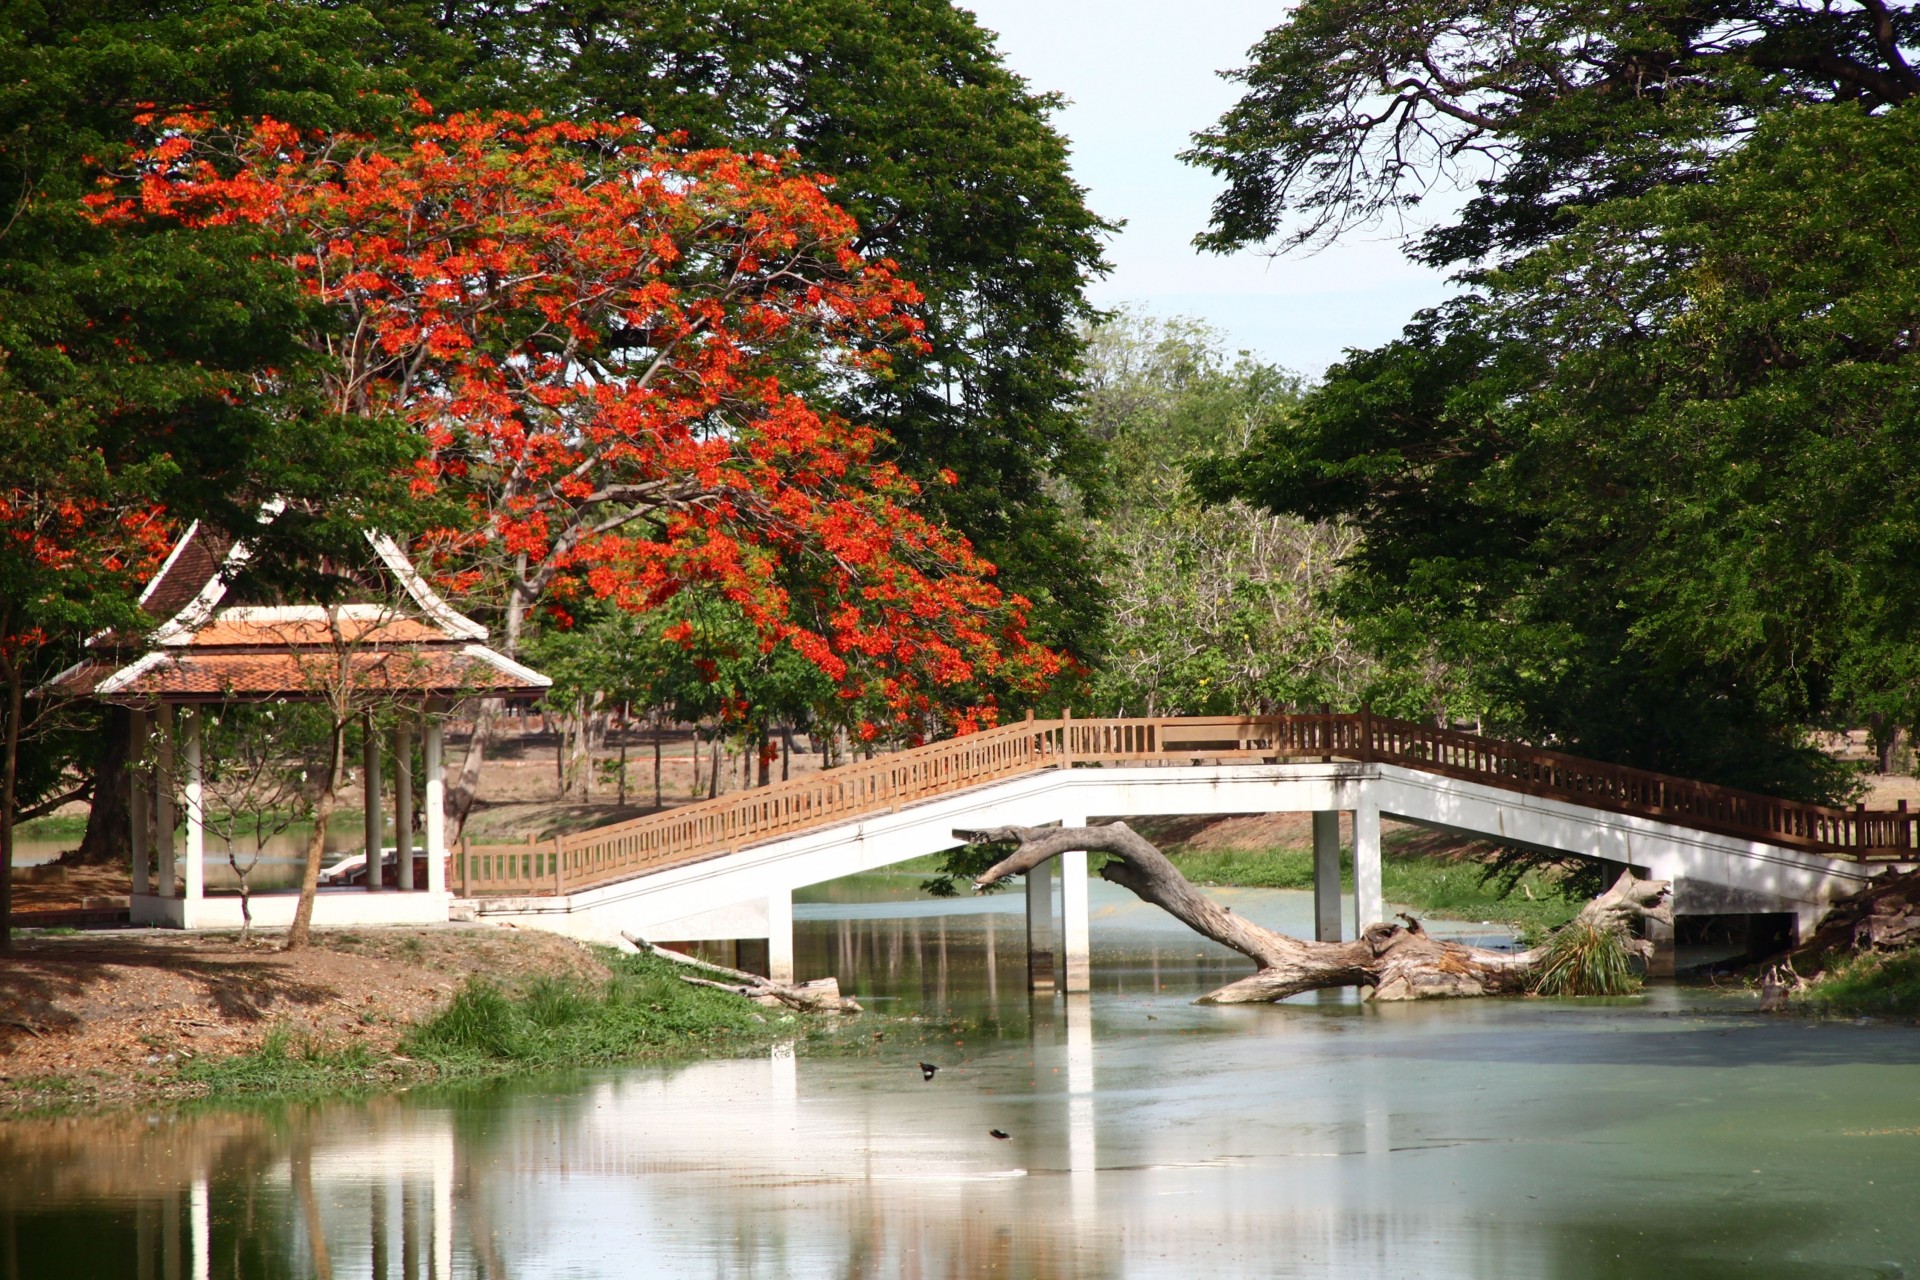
[{"x": 1679, "y": 1134}]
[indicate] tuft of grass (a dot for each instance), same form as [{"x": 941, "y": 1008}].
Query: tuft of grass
[
  {"x": 1879, "y": 984},
  {"x": 1584, "y": 959},
  {"x": 642, "y": 1011},
  {"x": 285, "y": 1062}
]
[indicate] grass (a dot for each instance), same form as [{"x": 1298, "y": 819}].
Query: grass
[
  {"x": 642, "y": 1012},
  {"x": 1876, "y": 984},
  {"x": 1586, "y": 960},
  {"x": 58, "y": 826},
  {"x": 1445, "y": 887}
]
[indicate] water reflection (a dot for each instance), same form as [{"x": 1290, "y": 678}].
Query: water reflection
[{"x": 1672, "y": 1136}]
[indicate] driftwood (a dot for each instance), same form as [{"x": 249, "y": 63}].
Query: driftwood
[
  {"x": 1398, "y": 961},
  {"x": 819, "y": 996}
]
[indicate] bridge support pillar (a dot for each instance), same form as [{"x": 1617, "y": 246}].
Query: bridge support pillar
[
  {"x": 1326, "y": 875},
  {"x": 1369, "y": 899},
  {"x": 780, "y": 935},
  {"x": 1660, "y": 963},
  {"x": 1074, "y": 938},
  {"x": 1040, "y": 928}
]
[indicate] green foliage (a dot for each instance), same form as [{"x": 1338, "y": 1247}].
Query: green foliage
[
  {"x": 1651, "y": 489},
  {"x": 286, "y": 1062},
  {"x": 968, "y": 863},
  {"x": 954, "y": 169},
  {"x": 1585, "y": 959},
  {"x": 644, "y": 1009},
  {"x": 1217, "y": 609},
  {"x": 1869, "y": 983},
  {"x": 1353, "y": 113}
]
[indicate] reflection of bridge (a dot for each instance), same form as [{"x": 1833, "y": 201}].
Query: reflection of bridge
[{"x": 727, "y": 868}]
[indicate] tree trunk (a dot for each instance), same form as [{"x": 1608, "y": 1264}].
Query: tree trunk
[
  {"x": 713, "y": 766},
  {"x": 658, "y": 729},
  {"x": 9, "y": 786},
  {"x": 299, "y": 934},
  {"x": 1399, "y": 962},
  {"x": 109, "y": 840}
]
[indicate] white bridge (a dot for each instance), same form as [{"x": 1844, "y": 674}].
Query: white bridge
[{"x": 728, "y": 868}]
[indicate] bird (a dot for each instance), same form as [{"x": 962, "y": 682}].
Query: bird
[
  {"x": 995, "y": 1133},
  {"x": 926, "y": 1070}
]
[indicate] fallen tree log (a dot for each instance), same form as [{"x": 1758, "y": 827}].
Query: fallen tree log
[
  {"x": 1397, "y": 961},
  {"x": 819, "y": 996}
]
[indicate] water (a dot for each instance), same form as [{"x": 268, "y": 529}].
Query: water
[
  {"x": 1676, "y": 1135},
  {"x": 280, "y": 860}
]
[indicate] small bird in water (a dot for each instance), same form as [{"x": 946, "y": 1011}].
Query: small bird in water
[
  {"x": 995, "y": 1133},
  {"x": 926, "y": 1070}
]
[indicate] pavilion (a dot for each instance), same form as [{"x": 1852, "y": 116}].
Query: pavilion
[{"x": 412, "y": 652}]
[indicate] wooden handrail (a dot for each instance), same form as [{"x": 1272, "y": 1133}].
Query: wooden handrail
[{"x": 710, "y": 828}]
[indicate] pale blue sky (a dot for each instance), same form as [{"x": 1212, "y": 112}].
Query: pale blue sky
[{"x": 1141, "y": 79}]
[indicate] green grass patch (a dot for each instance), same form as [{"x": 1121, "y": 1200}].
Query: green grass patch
[
  {"x": 642, "y": 1011},
  {"x": 1444, "y": 887},
  {"x": 286, "y": 1062},
  {"x": 1874, "y": 984},
  {"x": 1586, "y": 960}
]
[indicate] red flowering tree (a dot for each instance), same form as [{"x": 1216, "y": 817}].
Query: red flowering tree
[
  {"x": 74, "y": 542},
  {"x": 606, "y": 345}
]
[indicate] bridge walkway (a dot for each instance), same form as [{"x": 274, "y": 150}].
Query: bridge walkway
[{"x": 726, "y": 867}]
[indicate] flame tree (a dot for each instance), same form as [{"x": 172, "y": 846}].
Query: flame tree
[{"x": 603, "y": 343}]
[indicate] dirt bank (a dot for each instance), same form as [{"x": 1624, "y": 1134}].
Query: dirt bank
[{"x": 118, "y": 1016}]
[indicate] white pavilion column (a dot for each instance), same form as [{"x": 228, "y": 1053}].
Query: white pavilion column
[
  {"x": 1369, "y": 900},
  {"x": 436, "y": 797},
  {"x": 1326, "y": 875},
  {"x": 139, "y": 793},
  {"x": 780, "y": 935},
  {"x": 370, "y": 767},
  {"x": 194, "y": 790},
  {"x": 403, "y": 801},
  {"x": 163, "y": 803},
  {"x": 1074, "y": 937},
  {"x": 1040, "y": 928}
]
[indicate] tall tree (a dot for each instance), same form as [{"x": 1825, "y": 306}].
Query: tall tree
[
  {"x": 952, "y": 168},
  {"x": 588, "y": 333},
  {"x": 1355, "y": 112},
  {"x": 1654, "y": 482},
  {"x": 1216, "y": 609}
]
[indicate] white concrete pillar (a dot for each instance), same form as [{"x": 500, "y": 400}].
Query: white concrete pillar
[
  {"x": 1326, "y": 875},
  {"x": 1369, "y": 901},
  {"x": 780, "y": 935},
  {"x": 163, "y": 803},
  {"x": 403, "y": 801},
  {"x": 443, "y": 1168},
  {"x": 1074, "y": 939},
  {"x": 194, "y": 793},
  {"x": 1040, "y": 928},
  {"x": 436, "y": 801},
  {"x": 1082, "y": 1154},
  {"x": 139, "y": 797},
  {"x": 370, "y": 769}
]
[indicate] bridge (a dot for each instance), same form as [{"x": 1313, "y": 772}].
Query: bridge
[{"x": 727, "y": 867}]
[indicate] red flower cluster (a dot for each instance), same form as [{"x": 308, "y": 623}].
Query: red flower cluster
[{"x": 597, "y": 337}]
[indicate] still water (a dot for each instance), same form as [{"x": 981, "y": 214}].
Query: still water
[{"x": 1675, "y": 1135}]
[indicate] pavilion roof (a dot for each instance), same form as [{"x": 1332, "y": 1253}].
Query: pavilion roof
[{"x": 201, "y": 650}]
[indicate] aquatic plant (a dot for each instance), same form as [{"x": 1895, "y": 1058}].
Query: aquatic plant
[{"x": 1586, "y": 958}]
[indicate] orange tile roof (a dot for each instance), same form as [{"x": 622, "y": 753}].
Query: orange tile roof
[{"x": 453, "y": 670}]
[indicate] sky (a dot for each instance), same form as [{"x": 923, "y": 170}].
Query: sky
[{"x": 1141, "y": 79}]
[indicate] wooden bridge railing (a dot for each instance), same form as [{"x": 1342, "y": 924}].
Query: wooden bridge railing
[{"x": 712, "y": 827}]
